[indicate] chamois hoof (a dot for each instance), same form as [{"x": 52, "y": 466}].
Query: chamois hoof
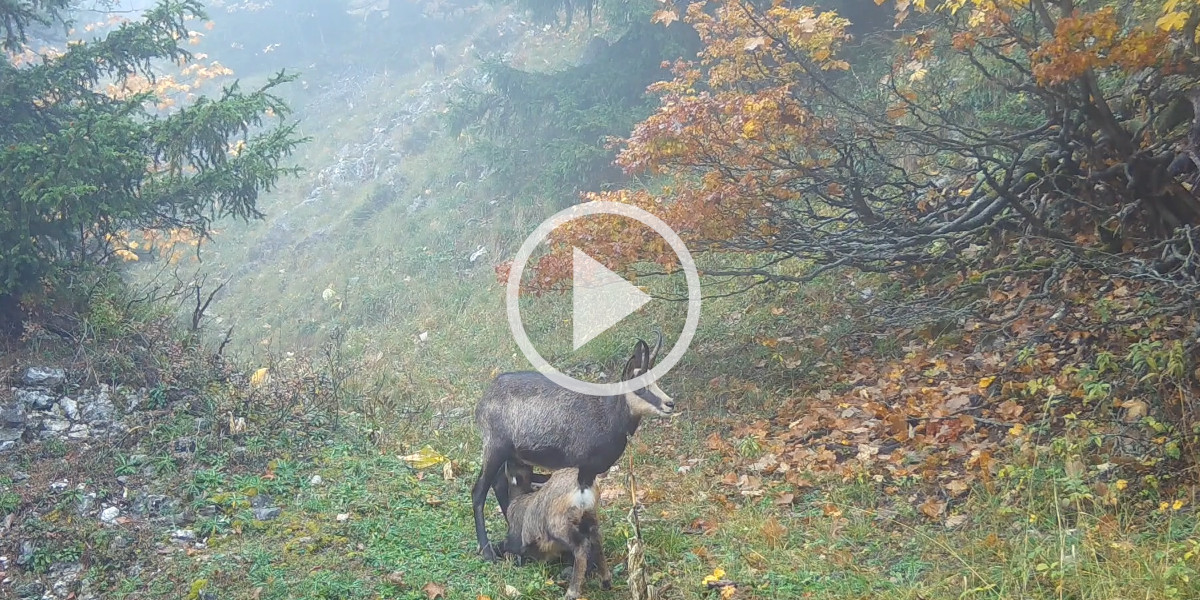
[
  {"x": 606, "y": 584},
  {"x": 489, "y": 553}
]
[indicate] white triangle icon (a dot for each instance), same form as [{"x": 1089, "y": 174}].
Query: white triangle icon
[{"x": 599, "y": 298}]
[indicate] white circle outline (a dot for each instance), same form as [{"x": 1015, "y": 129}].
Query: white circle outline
[{"x": 514, "y": 287}]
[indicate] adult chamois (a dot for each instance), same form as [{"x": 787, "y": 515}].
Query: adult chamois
[
  {"x": 558, "y": 519},
  {"x": 526, "y": 418}
]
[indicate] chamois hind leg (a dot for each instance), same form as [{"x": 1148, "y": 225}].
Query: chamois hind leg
[
  {"x": 501, "y": 484},
  {"x": 500, "y": 488},
  {"x": 596, "y": 560},
  {"x": 492, "y": 461},
  {"x": 579, "y": 570}
]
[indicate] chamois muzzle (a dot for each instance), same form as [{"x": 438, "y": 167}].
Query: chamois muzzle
[{"x": 658, "y": 400}]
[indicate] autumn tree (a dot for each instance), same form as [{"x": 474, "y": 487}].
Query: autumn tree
[
  {"x": 88, "y": 151},
  {"x": 985, "y": 120}
]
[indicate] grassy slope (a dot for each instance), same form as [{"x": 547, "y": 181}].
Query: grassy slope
[{"x": 398, "y": 275}]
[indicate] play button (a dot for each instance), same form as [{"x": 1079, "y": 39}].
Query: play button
[{"x": 599, "y": 298}]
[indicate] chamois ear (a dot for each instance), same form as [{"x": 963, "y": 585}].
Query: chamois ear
[{"x": 637, "y": 363}]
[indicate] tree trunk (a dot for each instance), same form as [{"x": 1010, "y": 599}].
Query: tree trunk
[{"x": 12, "y": 320}]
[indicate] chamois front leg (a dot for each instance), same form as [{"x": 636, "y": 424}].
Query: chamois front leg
[{"x": 491, "y": 468}]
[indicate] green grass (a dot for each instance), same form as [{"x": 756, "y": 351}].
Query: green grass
[{"x": 832, "y": 539}]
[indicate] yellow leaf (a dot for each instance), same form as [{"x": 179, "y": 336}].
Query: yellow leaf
[
  {"x": 1122, "y": 484},
  {"x": 259, "y": 377},
  {"x": 424, "y": 458},
  {"x": 1016, "y": 430},
  {"x": 717, "y": 575},
  {"x": 985, "y": 382},
  {"x": 727, "y": 592},
  {"x": 1172, "y": 21}
]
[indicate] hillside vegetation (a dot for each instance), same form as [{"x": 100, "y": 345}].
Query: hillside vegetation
[{"x": 948, "y": 346}]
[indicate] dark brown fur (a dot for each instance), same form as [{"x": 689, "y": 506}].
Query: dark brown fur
[{"x": 549, "y": 523}]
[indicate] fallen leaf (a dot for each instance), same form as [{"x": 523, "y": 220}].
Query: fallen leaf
[
  {"x": 424, "y": 458},
  {"x": 1074, "y": 467},
  {"x": 765, "y": 464},
  {"x": 511, "y": 591},
  {"x": 957, "y": 487},
  {"x": 716, "y": 443},
  {"x": 343, "y": 517},
  {"x": 749, "y": 483},
  {"x": 447, "y": 471},
  {"x": 955, "y": 520},
  {"x": 433, "y": 590},
  {"x": 1009, "y": 410},
  {"x": 785, "y": 499},
  {"x": 396, "y": 578},
  {"x": 932, "y": 507},
  {"x": 699, "y": 527},
  {"x": 1134, "y": 410}
]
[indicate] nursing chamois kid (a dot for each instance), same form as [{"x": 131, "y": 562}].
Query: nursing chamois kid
[{"x": 558, "y": 519}]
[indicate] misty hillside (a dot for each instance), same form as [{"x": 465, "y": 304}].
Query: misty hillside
[{"x": 254, "y": 259}]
